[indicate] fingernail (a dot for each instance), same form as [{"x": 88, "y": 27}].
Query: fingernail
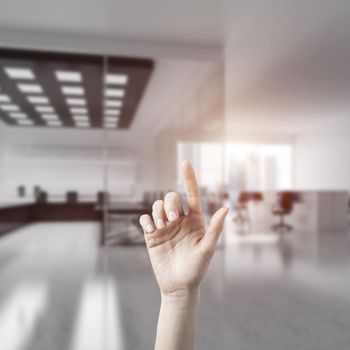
[
  {"x": 149, "y": 228},
  {"x": 160, "y": 223},
  {"x": 172, "y": 215}
]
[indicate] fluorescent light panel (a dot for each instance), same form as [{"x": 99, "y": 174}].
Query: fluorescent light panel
[
  {"x": 117, "y": 79},
  {"x": 50, "y": 116},
  {"x": 72, "y": 90},
  {"x": 77, "y": 110},
  {"x": 110, "y": 125},
  {"x": 68, "y": 76},
  {"x": 25, "y": 122},
  {"x": 82, "y": 124},
  {"x": 112, "y": 112},
  {"x": 54, "y": 123},
  {"x": 38, "y": 99},
  {"x": 44, "y": 109},
  {"x": 80, "y": 117},
  {"x": 4, "y": 98},
  {"x": 30, "y": 88},
  {"x": 115, "y": 92},
  {"x": 18, "y": 115},
  {"x": 111, "y": 119},
  {"x": 19, "y": 73},
  {"x": 76, "y": 101},
  {"x": 9, "y": 108},
  {"x": 113, "y": 103}
]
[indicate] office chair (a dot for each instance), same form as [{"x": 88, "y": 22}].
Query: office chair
[
  {"x": 42, "y": 197},
  {"x": 242, "y": 214},
  {"x": 72, "y": 197},
  {"x": 102, "y": 198},
  {"x": 283, "y": 207}
]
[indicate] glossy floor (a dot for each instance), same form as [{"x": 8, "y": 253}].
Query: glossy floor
[{"x": 59, "y": 291}]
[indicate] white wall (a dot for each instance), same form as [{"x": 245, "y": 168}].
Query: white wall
[
  {"x": 322, "y": 156},
  {"x": 62, "y": 160},
  {"x": 196, "y": 115}
]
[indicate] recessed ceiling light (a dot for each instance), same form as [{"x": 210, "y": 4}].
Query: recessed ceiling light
[
  {"x": 72, "y": 90},
  {"x": 115, "y": 92},
  {"x": 112, "y": 112},
  {"x": 82, "y": 124},
  {"x": 113, "y": 103},
  {"x": 9, "y": 108},
  {"x": 18, "y": 115},
  {"x": 77, "y": 110},
  {"x": 19, "y": 73},
  {"x": 68, "y": 76},
  {"x": 38, "y": 100},
  {"x": 25, "y": 122},
  {"x": 4, "y": 98},
  {"x": 44, "y": 109},
  {"x": 50, "y": 116},
  {"x": 30, "y": 88},
  {"x": 111, "y": 119},
  {"x": 111, "y": 125},
  {"x": 80, "y": 117},
  {"x": 54, "y": 123},
  {"x": 119, "y": 79},
  {"x": 76, "y": 101}
]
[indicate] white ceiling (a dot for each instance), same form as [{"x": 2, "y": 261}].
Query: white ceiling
[
  {"x": 196, "y": 22},
  {"x": 287, "y": 62},
  {"x": 288, "y": 65}
]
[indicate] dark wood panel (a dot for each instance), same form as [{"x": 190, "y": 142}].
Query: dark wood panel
[
  {"x": 67, "y": 212},
  {"x": 92, "y": 69},
  {"x": 13, "y": 217}
]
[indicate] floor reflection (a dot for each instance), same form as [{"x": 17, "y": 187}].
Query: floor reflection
[
  {"x": 19, "y": 314},
  {"x": 98, "y": 325},
  {"x": 263, "y": 291}
]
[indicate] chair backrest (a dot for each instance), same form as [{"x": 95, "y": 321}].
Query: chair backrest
[
  {"x": 102, "y": 197},
  {"x": 42, "y": 197},
  {"x": 71, "y": 197},
  {"x": 243, "y": 197},
  {"x": 257, "y": 196},
  {"x": 286, "y": 201}
]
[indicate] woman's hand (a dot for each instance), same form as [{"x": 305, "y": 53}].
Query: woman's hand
[{"x": 179, "y": 246}]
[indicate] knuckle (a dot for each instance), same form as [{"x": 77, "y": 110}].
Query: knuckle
[
  {"x": 208, "y": 251},
  {"x": 171, "y": 196}
]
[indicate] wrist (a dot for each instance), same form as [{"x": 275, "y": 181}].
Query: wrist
[{"x": 181, "y": 297}]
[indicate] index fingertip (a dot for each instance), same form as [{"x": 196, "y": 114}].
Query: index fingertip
[{"x": 187, "y": 169}]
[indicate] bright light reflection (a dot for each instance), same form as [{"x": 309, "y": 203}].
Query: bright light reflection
[
  {"x": 20, "y": 313},
  {"x": 98, "y": 323}
]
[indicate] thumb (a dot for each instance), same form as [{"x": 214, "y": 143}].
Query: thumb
[{"x": 214, "y": 230}]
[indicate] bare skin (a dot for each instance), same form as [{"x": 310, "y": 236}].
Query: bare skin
[{"x": 180, "y": 250}]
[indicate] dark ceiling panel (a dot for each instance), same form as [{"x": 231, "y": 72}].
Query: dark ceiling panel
[{"x": 132, "y": 78}]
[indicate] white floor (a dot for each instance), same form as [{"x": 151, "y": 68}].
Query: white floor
[{"x": 59, "y": 291}]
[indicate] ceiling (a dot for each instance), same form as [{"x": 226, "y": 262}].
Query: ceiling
[
  {"x": 154, "y": 20},
  {"x": 287, "y": 63},
  {"x": 69, "y": 90}
]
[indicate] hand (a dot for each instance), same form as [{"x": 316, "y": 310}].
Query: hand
[{"x": 179, "y": 247}]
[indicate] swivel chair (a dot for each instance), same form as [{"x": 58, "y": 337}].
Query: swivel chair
[{"x": 283, "y": 207}]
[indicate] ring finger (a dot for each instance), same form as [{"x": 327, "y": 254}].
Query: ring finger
[{"x": 158, "y": 213}]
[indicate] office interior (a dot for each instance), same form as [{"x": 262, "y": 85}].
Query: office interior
[{"x": 99, "y": 105}]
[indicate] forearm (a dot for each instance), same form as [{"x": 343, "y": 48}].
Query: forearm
[{"x": 177, "y": 321}]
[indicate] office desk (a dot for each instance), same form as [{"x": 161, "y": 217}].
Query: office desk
[
  {"x": 127, "y": 208},
  {"x": 126, "y": 212}
]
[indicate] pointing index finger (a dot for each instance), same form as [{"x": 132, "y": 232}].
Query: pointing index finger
[{"x": 191, "y": 187}]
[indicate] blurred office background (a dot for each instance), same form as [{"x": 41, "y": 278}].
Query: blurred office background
[{"x": 100, "y": 103}]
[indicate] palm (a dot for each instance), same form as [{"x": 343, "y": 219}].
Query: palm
[
  {"x": 178, "y": 260},
  {"x": 179, "y": 247}
]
